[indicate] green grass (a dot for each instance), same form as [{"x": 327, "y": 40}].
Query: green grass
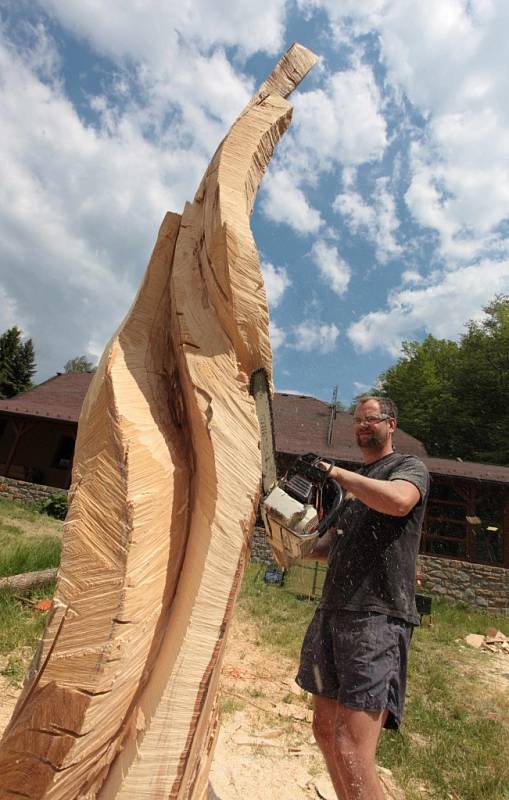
[
  {"x": 280, "y": 615},
  {"x": 29, "y": 541},
  {"x": 28, "y": 556},
  {"x": 20, "y": 624},
  {"x": 21, "y": 517},
  {"x": 454, "y": 739}
]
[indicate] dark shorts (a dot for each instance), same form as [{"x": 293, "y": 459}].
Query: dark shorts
[{"x": 359, "y": 659}]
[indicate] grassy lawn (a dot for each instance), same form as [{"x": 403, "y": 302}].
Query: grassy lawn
[
  {"x": 29, "y": 541},
  {"x": 454, "y": 741}
]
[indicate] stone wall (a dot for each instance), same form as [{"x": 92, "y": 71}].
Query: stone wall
[
  {"x": 479, "y": 584},
  {"x": 27, "y": 492},
  {"x": 260, "y": 550}
]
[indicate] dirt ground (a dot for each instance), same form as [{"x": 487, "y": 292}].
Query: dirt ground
[{"x": 265, "y": 748}]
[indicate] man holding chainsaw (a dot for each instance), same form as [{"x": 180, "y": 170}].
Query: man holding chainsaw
[{"x": 354, "y": 655}]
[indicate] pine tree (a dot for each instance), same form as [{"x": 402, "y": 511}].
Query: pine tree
[{"x": 17, "y": 363}]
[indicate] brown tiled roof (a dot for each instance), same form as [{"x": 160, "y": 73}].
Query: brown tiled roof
[
  {"x": 60, "y": 397},
  {"x": 301, "y": 424},
  {"x": 467, "y": 469}
]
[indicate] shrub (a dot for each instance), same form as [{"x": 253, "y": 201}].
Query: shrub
[{"x": 55, "y": 505}]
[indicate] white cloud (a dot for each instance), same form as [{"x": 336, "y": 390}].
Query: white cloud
[
  {"x": 357, "y": 213},
  {"x": 360, "y": 387},
  {"x": 449, "y": 58},
  {"x": 277, "y": 335},
  {"x": 71, "y": 194},
  {"x": 334, "y": 271},
  {"x": 151, "y": 30},
  {"x": 379, "y": 220},
  {"x": 311, "y": 335},
  {"x": 411, "y": 276},
  {"x": 283, "y": 202},
  {"x": 276, "y": 282},
  {"x": 342, "y": 123},
  {"x": 441, "y": 308}
]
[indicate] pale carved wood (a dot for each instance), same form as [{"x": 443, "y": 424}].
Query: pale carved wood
[{"x": 121, "y": 699}]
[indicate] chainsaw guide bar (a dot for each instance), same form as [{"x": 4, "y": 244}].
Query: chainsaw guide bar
[{"x": 293, "y": 509}]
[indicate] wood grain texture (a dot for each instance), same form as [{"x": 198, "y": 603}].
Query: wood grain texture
[{"x": 121, "y": 699}]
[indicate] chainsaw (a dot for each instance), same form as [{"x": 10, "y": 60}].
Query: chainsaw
[{"x": 300, "y": 507}]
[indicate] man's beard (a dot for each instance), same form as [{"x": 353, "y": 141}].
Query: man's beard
[{"x": 372, "y": 440}]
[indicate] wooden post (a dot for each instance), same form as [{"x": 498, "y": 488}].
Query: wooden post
[
  {"x": 506, "y": 531},
  {"x": 19, "y": 430}
]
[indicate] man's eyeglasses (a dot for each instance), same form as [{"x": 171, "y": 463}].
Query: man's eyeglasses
[{"x": 371, "y": 420}]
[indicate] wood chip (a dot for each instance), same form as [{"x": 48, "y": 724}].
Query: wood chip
[{"x": 475, "y": 640}]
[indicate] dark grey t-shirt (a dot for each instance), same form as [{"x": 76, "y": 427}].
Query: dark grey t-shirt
[{"x": 372, "y": 562}]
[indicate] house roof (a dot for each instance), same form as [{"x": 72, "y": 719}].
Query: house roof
[
  {"x": 301, "y": 424},
  {"x": 59, "y": 398},
  {"x": 473, "y": 470}
]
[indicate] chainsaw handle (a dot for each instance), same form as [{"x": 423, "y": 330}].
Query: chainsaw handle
[{"x": 330, "y": 516}]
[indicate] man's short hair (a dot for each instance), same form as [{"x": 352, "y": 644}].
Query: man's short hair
[{"x": 387, "y": 406}]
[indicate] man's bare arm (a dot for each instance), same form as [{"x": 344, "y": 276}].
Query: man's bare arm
[{"x": 396, "y": 498}]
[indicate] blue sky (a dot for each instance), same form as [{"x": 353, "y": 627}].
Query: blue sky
[{"x": 383, "y": 216}]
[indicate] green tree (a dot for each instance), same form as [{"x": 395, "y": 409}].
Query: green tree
[
  {"x": 17, "y": 363},
  {"x": 482, "y": 383},
  {"x": 79, "y": 364},
  {"x": 453, "y": 396}
]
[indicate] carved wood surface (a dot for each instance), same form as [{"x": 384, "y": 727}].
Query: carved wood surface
[{"x": 121, "y": 699}]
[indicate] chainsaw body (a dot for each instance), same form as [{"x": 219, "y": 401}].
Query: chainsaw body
[{"x": 299, "y": 509}]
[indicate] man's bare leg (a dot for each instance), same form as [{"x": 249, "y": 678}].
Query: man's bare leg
[{"x": 348, "y": 740}]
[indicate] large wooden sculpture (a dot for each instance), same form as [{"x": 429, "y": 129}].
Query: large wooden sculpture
[{"x": 120, "y": 701}]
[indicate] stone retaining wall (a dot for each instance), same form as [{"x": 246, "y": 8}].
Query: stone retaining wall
[
  {"x": 260, "y": 550},
  {"x": 27, "y": 492},
  {"x": 478, "y": 584}
]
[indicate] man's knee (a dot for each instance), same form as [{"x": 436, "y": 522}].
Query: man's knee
[
  {"x": 356, "y": 733},
  {"x": 324, "y": 721}
]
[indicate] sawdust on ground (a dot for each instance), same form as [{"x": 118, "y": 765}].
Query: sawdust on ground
[{"x": 265, "y": 748}]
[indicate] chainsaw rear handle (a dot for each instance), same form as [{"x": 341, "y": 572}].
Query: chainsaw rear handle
[{"x": 329, "y": 518}]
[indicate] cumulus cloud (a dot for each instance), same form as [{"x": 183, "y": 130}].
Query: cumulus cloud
[
  {"x": 152, "y": 30},
  {"x": 339, "y": 124},
  {"x": 361, "y": 388},
  {"x": 333, "y": 270},
  {"x": 70, "y": 193},
  {"x": 378, "y": 220},
  {"x": 283, "y": 202},
  {"x": 441, "y": 308},
  {"x": 459, "y": 168},
  {"x": 311, "y": 335},
  {"x": 342, "y": 123},
  {"x": 277, "y": 335},
  {"x": 276, "y": 282}
]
